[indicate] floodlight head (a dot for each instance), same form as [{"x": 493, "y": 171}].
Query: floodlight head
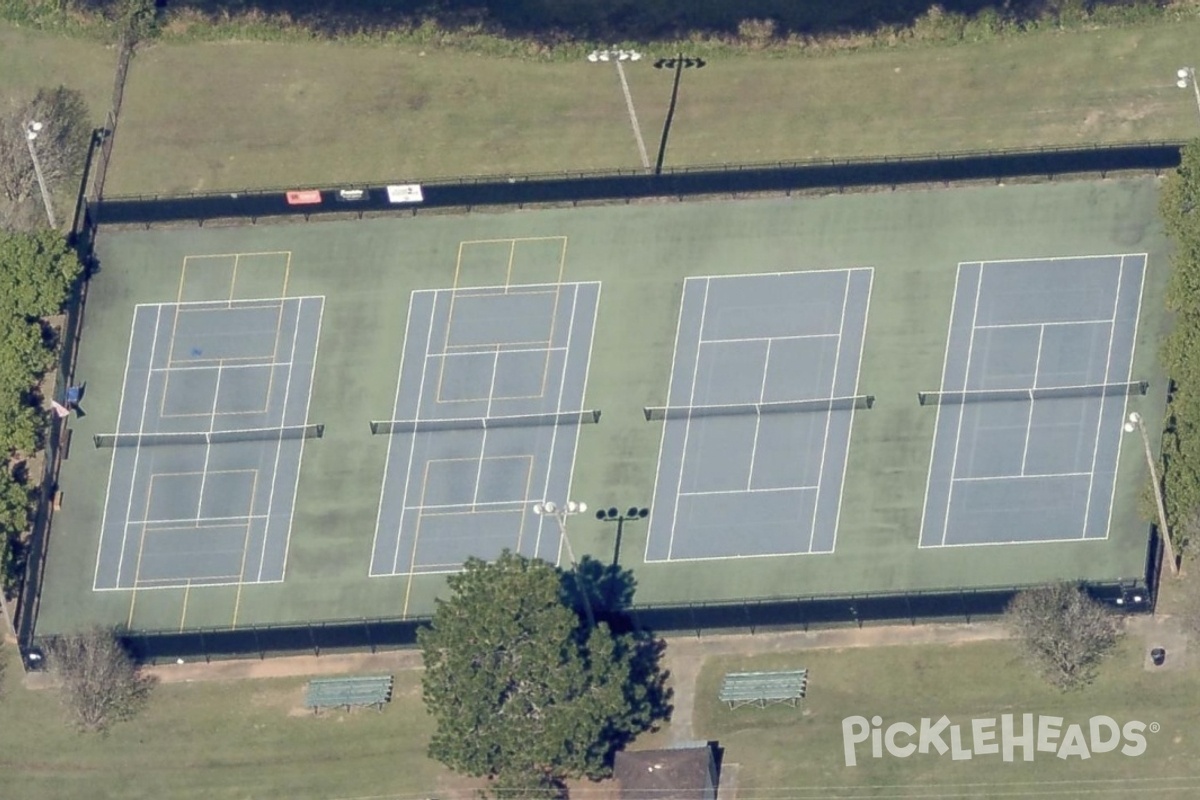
[
  {"x": 1182, "y": 83},
  {"x": 600, "y": 515},
  {"x": 1129, "y": 427},
  {"x": 613, "y": 513},
  {"x": 575, "y": 508},
  {"x": 605, "y": 56},
  {"x": 643, "y": 513},
  {"x": 593, "y": 56},
  {"x": 634, "y": 55},
  {"x": 1183, "y": 72},
  {"x": 544, "y": 508},
  {"x": 36, "y": 126},
  {"x": 1135, "y": 417}
]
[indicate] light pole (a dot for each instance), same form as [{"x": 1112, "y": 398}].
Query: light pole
[
  {"x": 679, "y": 63},
  {"x": 614, "y": 515},
  {"x": 617, "y": 57},
  {"x": 1187, "y": 76},
  {"x": 1135, "y": 423},
  {"x": 548, "y": 508},
  {"x": 32, "y": 129}
]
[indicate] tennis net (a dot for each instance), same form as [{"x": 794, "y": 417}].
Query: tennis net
[
  {"x": 389, "y": 427},
  {"x": 827, "y": 404},
  {"x": 1018, "y": 395},
  {"x": 209, "y": 437}
]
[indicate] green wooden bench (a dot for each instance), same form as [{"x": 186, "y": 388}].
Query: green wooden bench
[
  {"x": 348, "y": 692},
  {"x": 764, "y": 688}
]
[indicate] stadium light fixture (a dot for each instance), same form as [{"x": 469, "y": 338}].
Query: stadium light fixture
[
  {"x": 614, "y": 515},
  {"x": 1186, "y": 76},
  {"x": 548, "y": 508},
  {"x": 32, "y": 129},
  {"x": 1135, "y": 423},
  {"x": 616, "y": 56}
]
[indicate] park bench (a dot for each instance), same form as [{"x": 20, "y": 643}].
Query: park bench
[
  {"x": 763, "y": 688},
  {"x": 348, "y": 692}
]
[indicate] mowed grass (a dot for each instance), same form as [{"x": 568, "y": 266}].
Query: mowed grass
[
  {"x": 237, "y": 739},
  {"x": 31, "y": 60},
  {"x": 235, "y": 115},
  {"x": 802, "y": 749}
]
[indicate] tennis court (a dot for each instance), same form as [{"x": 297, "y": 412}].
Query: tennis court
[
  {"x": 1038, "y": 369},
  {"x": 211, "y": 425},
  {"x": 485, "y": 424},
  {"x": 756, "y": 429},
  {"x": 758, "y": 363}
]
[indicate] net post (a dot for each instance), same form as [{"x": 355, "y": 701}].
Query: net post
[{"x": 646, "y": 411}]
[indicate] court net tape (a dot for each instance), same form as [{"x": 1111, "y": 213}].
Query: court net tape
[
  {"x": 209, "y": 437},
  {"x": 827, "y": 404},
  {"x": 388, "y": 427},
  {"x": 1017, "y": 395}
]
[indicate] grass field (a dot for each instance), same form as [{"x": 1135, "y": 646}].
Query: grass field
[
  {"x": 798, "y": 753},
  {"x": 222, "y": 740},
  {"x": 640, "y": 253},
  {"x": 237, "y": 115}
]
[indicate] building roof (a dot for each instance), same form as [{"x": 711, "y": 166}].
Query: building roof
[{"x": 678, "y": 774}]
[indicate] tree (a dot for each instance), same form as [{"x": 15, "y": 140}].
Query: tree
[
  {"x": 37, "y": 273},
  {"x": 1063, "y": 632},
  {"x": 62, "y": 147},
  {"x": 524, "y": 692},
  {"x": 100, "y": 681}
]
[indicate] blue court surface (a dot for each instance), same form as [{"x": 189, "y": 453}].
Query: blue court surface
[
  {"x": 485, "y": 424},
  {"x": 1037, "y": 374},
  {"x": 210, "y": 432},
  {"x": 756, "y": 429}
]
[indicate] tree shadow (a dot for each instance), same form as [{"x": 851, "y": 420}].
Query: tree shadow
[
  {"x": 551, "y": 21},
  {"x": 608, "y": 590}
]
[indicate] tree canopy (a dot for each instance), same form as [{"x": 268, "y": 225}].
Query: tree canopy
[
  {"x": 524, "y": 692},
  {"x": 1063, "y": 632},
  {"x": 37, "y": 273},
  {"x": 1180, "y": 208}
]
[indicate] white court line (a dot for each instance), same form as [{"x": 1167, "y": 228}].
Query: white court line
[
  {"x": 222, "y": 365},
  {"x": 494, "y": 349},
  {"x": 663, "y": 436},
  {"x": 500, "y": 289},
  {"x": 1112, "y": 335},
  {"x": 1048, "y": 324},
  {"x": 1037, "y": 365},
  {"x": 287, "y": 545},
  {"x": 738, "y": 340},
  {"x": 1021, "y": 477},
  {"x": 197, "y": 520},
  {"x": 762, "y": 393},
  {"x": 750, "y": 491},
  {"x": 687, "y": 423},
  {"x": 1013, "y": 543},
  {"x": 684, "y": 559},
  {"x": 781, "y": 274},
  {"x": 562, "y": 385},
  {"x": 113, "y": 462},
  {"x": 961, "y": 410},
  {"x": 412, "y": 440},
  {"x": 1137, "y": 319},
  {"x": 287, "y": 389},
  {"x": 212, "y": 422},
  {"x": 219, "y": 305},
  {"x": 137, "y": 453},
  {"x": 391, "y": 439},
  {"x": 467, "y": 506},
  {"x": 1048, "y": 258},
  {"x": 487, "y": 413},
  {"x": 587, "y": 371},
  {"x": 862, "y": 346},
  {"x": 141, "y": 587},
  {"x": 938, "y": 414},
  {"x": 837, "y": 357}
]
